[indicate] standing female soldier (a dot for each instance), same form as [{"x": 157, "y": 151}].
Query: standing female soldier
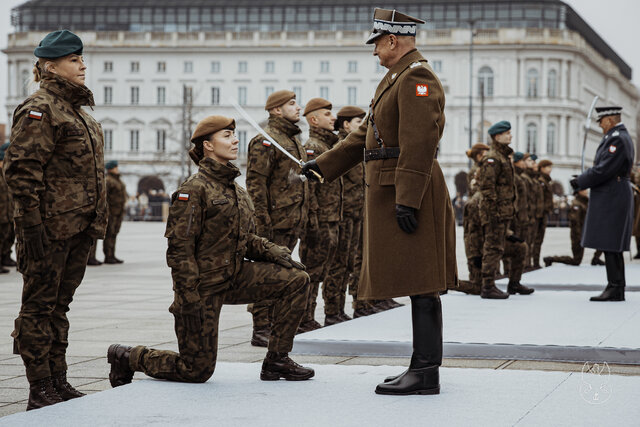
[
  {"x": 55, "y": 172},
  {"x": 210, "y": 232}
]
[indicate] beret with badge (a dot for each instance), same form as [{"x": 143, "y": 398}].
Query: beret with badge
[
  {"x": 279, "y": 98},
  {"x": 316, "y": 104},
  {"x": 206, "y": 127}
]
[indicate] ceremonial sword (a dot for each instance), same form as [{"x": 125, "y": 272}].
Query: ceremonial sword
[
  {"x": 587, "y": 127},
  {"x": 269, "y": 139}
]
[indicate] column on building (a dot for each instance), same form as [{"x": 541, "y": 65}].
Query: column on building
[
  {"x": 562, "y": 80},
  {"x": 542, "y": 135},
  {"x": 543, "y": 78},
  {"x": 563, "y": 143}
]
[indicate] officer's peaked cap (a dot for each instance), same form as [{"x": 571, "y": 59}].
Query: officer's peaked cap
[
  {"x": 387, "y": 21},
  {"x": 608, "y": 111}
]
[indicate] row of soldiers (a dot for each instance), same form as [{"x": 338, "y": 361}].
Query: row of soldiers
[
  {"x": 7, "y": 233},
  {"x": 326, "y": 219}
]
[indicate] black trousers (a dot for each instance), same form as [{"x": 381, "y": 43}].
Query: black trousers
[{"x": 614, "y": 263}]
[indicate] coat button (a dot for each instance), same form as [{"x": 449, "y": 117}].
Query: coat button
[{"x": 226, "y": 261}]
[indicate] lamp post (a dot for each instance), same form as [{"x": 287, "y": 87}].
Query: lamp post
[{"x": 471, "y": 24}]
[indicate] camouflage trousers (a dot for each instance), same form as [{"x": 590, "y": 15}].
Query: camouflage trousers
[
  {"x": 495, "y": 248},
  {"x": 473, "y": 241},
  {"x": 7, "y": 237},
  {"x": 42, "y": 329},
  {"x": 541, "y": 228},
  {"x": 260, "y": 310},
  {"x": 355, "y": 264},
  {"x": 576, "y": 249},
  {"x": 531, "y": 238},
  {"x": 317, "y": 251},
  {"x": 113, "y": 228},
  {"x": 335, "y": 283},
  {"x": 284, "y": 288}
]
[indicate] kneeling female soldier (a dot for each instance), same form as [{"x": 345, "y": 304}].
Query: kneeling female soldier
[{"x": 210, "y": 232}]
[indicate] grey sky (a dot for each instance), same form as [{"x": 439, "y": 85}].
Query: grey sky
[{"x": 614, "y": 20}]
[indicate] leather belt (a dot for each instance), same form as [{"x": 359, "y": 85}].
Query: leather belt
[{"x": 382, "y": 153}]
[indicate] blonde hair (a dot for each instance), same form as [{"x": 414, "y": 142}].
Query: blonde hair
[{"x": 39, "y": 68}]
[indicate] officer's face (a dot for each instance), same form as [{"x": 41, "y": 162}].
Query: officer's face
[
  {"x": 222, "y": 146},
  {"x": 504, "y": 137},
  {"x": 291, "y": 111},
  {"x": 71, "y": 67},
  {"x": 322, "y": 119},
  {"x": 353, "y": 124},
  {"x": 384, "y": 46}
]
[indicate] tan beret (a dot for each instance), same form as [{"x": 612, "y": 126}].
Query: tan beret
[
  {"x": 316, "y": 104},
  {"x": 526, "y": 156},
  {"x": 212, "y": 124},
  {"x": 279, "y": 98},
  {"x": 543, "y": 163},
  {"x": 351, "y": 111}
]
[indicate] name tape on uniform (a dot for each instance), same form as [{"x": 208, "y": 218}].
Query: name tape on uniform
[
  {"x": 36, "y": 115},
  {"x": 183, "y": 196},
  {"x": 422, "y": 89}
]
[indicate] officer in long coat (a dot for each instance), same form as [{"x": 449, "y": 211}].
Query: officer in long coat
[
  {"x": 408, "y": 213},
  {"x": 610, "y": 212}
]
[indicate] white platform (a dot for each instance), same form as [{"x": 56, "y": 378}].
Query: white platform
[
  {"x": 343, "y": 396},
  {"x": 547, "y": 325}
]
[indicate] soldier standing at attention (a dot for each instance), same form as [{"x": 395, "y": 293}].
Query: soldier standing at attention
[
  {"x": 210, "y": 232},
  {"x": 116, "y": 199},
  {"x": 54, "y": 170},
  {"x": 636, "y": 209},
  {"x": 408, "y": 212},
  {"x": 532, "y": 192},
  {"x": 6, "y": 219},
  {"x": 544, "y": 180},
  {"x": 538, "y": 211},
  {"x": 610, "y": 213},
  {"x": 320, "y": 243},
  {"x": 281, "y": 204}
]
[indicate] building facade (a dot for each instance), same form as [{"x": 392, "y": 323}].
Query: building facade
[{"x": 156, "y": 70}]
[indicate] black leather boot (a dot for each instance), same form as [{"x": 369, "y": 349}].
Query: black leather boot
[
  {"x": 614, "y": 263},
  {"x": 611, "y": 293},
  {"x": 121, "y": 372},
  {"x": 423, "y": 376},
  {"x": 64, "y": 389},
  {"x": 260, "y": 336},
  {"x": 279, "y": 365},
  {"x": 42, "y": 393},
  {"x": 516, "y": 288}
]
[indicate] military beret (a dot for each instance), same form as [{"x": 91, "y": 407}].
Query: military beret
[
  {"x": 351, "y": 111},
  {"x": 111, "y": 164},
  {"x": 3, "y": 148},
  {"x": 387, "y": 21},
  {"x": 499, "y": 127},
  {"x": 58, "y": 44},
  {"x": 476, "y": 148},
  {"x": 212, "y": 124},
  {"x": 608, "y": 111},
  {"x": 534, "y": 157},
  {"x": 526, "y": 156},
  {"x": 279, "y": 98},
  {"x": 316, "y": 104},
  {"x": 543, "y": 163},
  {"x": 517, "y": 156}
]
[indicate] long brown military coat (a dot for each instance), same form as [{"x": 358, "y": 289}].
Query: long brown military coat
[{"x": 408, "y": 108}]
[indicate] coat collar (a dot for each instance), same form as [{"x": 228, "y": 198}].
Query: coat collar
[
  {"x": 617, "y": 128},
  {"x": 74, "y": 94},
  {"x": 223, "y": 173},
  {"x": 394, "y": 73},
  {"x": 326, "y": 136},
  {"x": 503, "y": 149},
  {"x": 283, "y": 125}
]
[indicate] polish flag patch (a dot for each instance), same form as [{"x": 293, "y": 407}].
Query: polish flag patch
[
  {"x": 311, "y": 153},
  {"x": 36, "y": 115},
  {"x": 183, "y": 196},
  {"x": 266, "y": 143},
  {"x": 422, "y": 89},
  {"x": 612, "y": 149}
]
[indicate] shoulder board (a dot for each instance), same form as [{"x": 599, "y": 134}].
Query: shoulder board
[{"x": 615, "y": 133}]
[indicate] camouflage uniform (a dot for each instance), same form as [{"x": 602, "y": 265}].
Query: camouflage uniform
[
  {"x": 7, "y": 235},
  {"x": 210, "y": 232},
  {"x": 319, "y": 246},
  {"x": 473, "y": 232},
  {"x": 116, "y": 199},
  {"x": 55, "y": 171},
  {"x": 281, "y": 204},
  {"x": 534, "y": 196},
  {"x": 544, "y": 181}
]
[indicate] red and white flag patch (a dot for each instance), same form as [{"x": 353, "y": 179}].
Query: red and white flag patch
[
  {"x": 266, "y": 143},
  {"x": 311, "y": 153},
  {"x": 612, "y": 149},
  {"x": 183, "y": 196},
  {"x": 422, "y": 89},
  {"x": 36, "y": 115}
]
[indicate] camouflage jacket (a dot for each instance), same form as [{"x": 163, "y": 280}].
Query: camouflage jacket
[
  {"x": 54, "y": 165},
  {"x": 496, "y": 183},
  {"x": 547, "y": 193},
  {"x": 281, "y": 203},
  {"x": 472, "y": 179},
  {"x": 577, "y": 212},
  {"x": 531, "y": 194},
  {"x": 6, "y": 209},
  {"x": 353, "y": 188},
  {"x": 326, "y": 198},
  {"x": 116, "y": 194},
  {"x": 538, "y": 191},
  {"x": 210, "y": 230},
  {"x": 520, "y": 222}
]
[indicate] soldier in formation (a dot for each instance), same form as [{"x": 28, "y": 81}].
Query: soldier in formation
[
  {"x": 281, "y": 203},
  {"x": 210, "y": 232},
  {"x": 636, "y": 198},
  {"x": 7, "y": 235},
  {"x": 54, "y": 170},
  {"x": 544, "y": 180}
]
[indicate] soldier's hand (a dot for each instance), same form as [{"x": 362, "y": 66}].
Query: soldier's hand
[
  {"x": 312, "y": 171},
  {"x": 191, "y": 314},
  {"x": 35, "y": 241},
  {"x": 574, "y": 183},
  {"x": 282, "y": 256},
  {"x": 406, "y": 217}
]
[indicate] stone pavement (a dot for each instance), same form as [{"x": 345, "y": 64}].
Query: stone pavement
[{"x": 128, "y": 304}]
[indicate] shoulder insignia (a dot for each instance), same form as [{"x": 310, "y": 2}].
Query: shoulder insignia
[
  {"x": 266, "y": 143},
  {"x": 183, "y": 196},
  {"x": 616, "y": 133},
  {"x": 414, "y": 65},
  {"x": 311, "y": 153},
  {"x": 490, "y": 160},
  {"x": 422, "y": 89},
  {"x": 612, "y": 149},
  {"x": 393, "y": 76},
  {"x": 35, "y": 115},
  {"x": 576, "y": 208}
]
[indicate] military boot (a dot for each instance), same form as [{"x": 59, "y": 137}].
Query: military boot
[
  {"x": 332, "y": 319},
  {"x": 64, "y": 389},
  {"x": 423, "y": 375},
  {"x": 490, "y": 291},
  {"x": 516, "y": 288},
  {"x": 8, "y": 262},
  {"x": 42, "y": 393},
  {"x": 308, "y": 325},
  {"x": 121, "y": 372},
  {"x": 344, "y": 316},
  {"x": 4, "y": 270},
  {"x": 279, "y": 365},
  {"x": 597, "y": 261},
  {"x": 112, "y": 260},
  {"x": 547, "y": 261},
  {"x": 260, "y": 337},
  {"x": 362, "y": 312},
  {"x": 611, "y": 293},
  {"x": 467, "y": 287},
  {"x": 93, "y": 261}
]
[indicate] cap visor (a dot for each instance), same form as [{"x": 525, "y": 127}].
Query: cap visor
[{"x": 372, "y": 37}]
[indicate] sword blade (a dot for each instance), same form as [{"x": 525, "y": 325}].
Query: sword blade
[{"x": 587, "y": 127}]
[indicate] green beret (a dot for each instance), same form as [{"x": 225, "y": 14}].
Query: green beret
[
  {"x": 58, "y": 44},
  {"x": 517, "y": 156},
  {"x": 499, "y": 127},
  {"x": 3, "y": 148},
  {"x": 534, "y": 157},
  {"x": 111, "y": 164}
]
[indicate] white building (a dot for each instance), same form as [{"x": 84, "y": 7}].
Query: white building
[{"x": 539, "y": 64}]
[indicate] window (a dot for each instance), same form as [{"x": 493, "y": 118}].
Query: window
[
  {"x": 134, "y": 141},
  {"x": 379, "y": 68},
  {"x": 298, "y": 91},
  {"x": 108, "y": 140},
  {"x": 532, "y": 138},
  {"x": 161, "y": 140},
  {"x": 269, "y": 67},
  {"x": 242, "y": 145},
  {"x": 437, "y": 66},
  {"x": 485, "y": 82},
  {"x": 162, "y": 67},
  {"x": 108, "y": 66},
  {"x": 532, "y": 83},
  {"x": 215, "y": 67},
  {"x": 552, "y": 84},
  {"x": 215, "y": 96},
  {"x": 297, "y": 67},
  {"x": 135, "y": 95},
  {"x": 324, "y": 66},
  {"x": 324, "y": 92},
  {"x": 187, "y": 94},
  {"x": 551, "y": 138},
  {"x": 352, "y": 67},
  {"x": 242, "y": 95},
  {"x": 188, "y": 67},
  {"x": 242, "y": 67},
  {"x": 108, "y": 95},
  {"x": 352, "y": 95},
  {"x": 162, "y": 95},
  {"x": 135, "y": 67},
  {"x": 268, "y": 91}
]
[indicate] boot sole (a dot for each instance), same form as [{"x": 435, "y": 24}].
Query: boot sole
[
  {"x": 429, "y": 391},
  {"x": 276, "y": 376},
  {"x": 111, "y": 355}
]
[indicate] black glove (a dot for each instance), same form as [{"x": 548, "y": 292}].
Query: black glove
[
  {"x": 574, "y": 182},
  {"x": 309, "y": 168},
  {"x": 406, "y": 217},
  {"x": 35, "y": 241},
  {"x": 191, "y": 314},
  {"x": 282, "y": 256},
  {"x": 515, "y": 239}
]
